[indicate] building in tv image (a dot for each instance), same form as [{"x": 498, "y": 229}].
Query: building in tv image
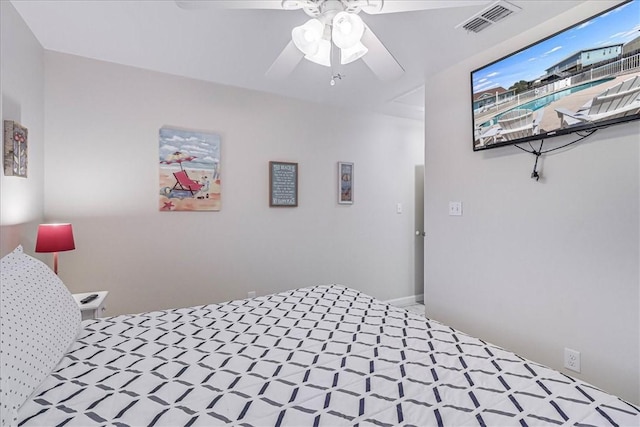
[{"x": 585, "y": 77}]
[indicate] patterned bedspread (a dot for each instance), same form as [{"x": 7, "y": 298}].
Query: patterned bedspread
[{"x": 321, "y": 356}]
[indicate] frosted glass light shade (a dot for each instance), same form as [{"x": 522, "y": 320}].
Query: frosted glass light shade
[
  {"x": 353, "y": 53},
  {"x": 307, "y": 37},
  {"x": 347, "y": 30},
  {"x": 323, "y": 54}
]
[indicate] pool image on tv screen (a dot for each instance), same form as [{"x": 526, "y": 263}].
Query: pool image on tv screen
[{"x": 584, "y": 77}]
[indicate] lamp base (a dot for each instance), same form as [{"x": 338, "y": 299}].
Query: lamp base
[{"x": 55, "y": 262}]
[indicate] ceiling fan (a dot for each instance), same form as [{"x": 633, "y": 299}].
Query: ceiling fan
[{"x": 334, "y": 24}]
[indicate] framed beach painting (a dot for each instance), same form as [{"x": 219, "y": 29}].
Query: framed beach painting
[
  {"x": 189, "y": 164},
  {"x": 15, "y": 149},
  {"x": 345, "y": 183}
]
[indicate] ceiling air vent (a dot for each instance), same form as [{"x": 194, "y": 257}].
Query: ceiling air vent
[{"x": 489, "y": 16}]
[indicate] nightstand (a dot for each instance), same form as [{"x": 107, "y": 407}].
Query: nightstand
[{"x": 93, "y": 309}]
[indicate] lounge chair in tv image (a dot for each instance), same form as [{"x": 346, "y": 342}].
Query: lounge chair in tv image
[
  {"x": 619, "y": 100},
  {"x": 512, "y": 125}
]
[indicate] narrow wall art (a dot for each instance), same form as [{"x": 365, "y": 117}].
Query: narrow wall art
[
  {"x": 15, "y": 149},
  {"x": 345, "y": 183},
  {"x": 189, "y": 170}
]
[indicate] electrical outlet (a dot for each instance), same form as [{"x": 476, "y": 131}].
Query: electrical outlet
[
  {"x": 572, "y": 360},
  {"x": 251, "y": 294}
]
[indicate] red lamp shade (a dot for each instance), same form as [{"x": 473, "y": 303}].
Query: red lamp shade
[{"x": 55, "y": 238}]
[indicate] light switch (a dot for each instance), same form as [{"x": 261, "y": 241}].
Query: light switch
[
  {"x": 399, "y": 208},
  {"x": 455, "y": 208}
]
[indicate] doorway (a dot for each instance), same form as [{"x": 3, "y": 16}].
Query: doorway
[{"x": 419, "y": 231}]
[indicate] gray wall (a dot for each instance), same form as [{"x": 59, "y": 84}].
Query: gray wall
[
  {"x": 102, "y": 124},
  {"x": 535, "y": 266},
  {"x": 22, "y": 92}
]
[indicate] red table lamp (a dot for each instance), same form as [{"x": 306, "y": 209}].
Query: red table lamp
[{"x": 55, "y": 238}]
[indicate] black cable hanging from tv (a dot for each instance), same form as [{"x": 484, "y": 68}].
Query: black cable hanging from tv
[{"x": 539, "y": 152}]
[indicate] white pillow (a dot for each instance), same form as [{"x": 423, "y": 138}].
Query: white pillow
[{"x": 39, "y": 319}]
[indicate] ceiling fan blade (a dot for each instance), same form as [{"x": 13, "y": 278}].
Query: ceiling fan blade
[
  {"x": 379, "y": 59},
  {"x": 229, "y": 4},
  {"x": 392, "y": 6},
  {"x": 284, "y": 64}
]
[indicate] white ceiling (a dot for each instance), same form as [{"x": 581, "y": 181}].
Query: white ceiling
[{"x": 236, "y": 47}]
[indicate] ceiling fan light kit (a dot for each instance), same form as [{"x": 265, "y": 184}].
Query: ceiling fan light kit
[
  {"x": 335, "y": 23},
  {"x": 344, "y": 29}
]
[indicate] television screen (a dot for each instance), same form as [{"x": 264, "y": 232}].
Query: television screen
[{"x": 584, "y": 77}]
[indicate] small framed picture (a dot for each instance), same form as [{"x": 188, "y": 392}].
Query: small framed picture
[
  {"x": 345, "y": 183},
  {"x": 15, "y": 149},
  {"x": 283, "y": 184}
]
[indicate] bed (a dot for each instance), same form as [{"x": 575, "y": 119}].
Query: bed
[{"x": 319, "y": 356}]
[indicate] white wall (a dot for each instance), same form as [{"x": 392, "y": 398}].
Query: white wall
[
  {"x": 22, "y": 92},
  {"x": 102, "y": 125},
  {"x": 535, "y": 266}
]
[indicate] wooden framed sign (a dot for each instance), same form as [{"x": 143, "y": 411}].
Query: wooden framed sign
[{"x": 283, "y": 184}]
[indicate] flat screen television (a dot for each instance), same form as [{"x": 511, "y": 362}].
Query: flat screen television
[{"x": 584, "y": 77}]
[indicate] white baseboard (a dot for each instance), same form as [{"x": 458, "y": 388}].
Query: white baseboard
[{"x": 404, "y": 301}]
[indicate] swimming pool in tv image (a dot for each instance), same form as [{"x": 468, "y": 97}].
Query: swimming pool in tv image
[{"x": 541, "y": 102}]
